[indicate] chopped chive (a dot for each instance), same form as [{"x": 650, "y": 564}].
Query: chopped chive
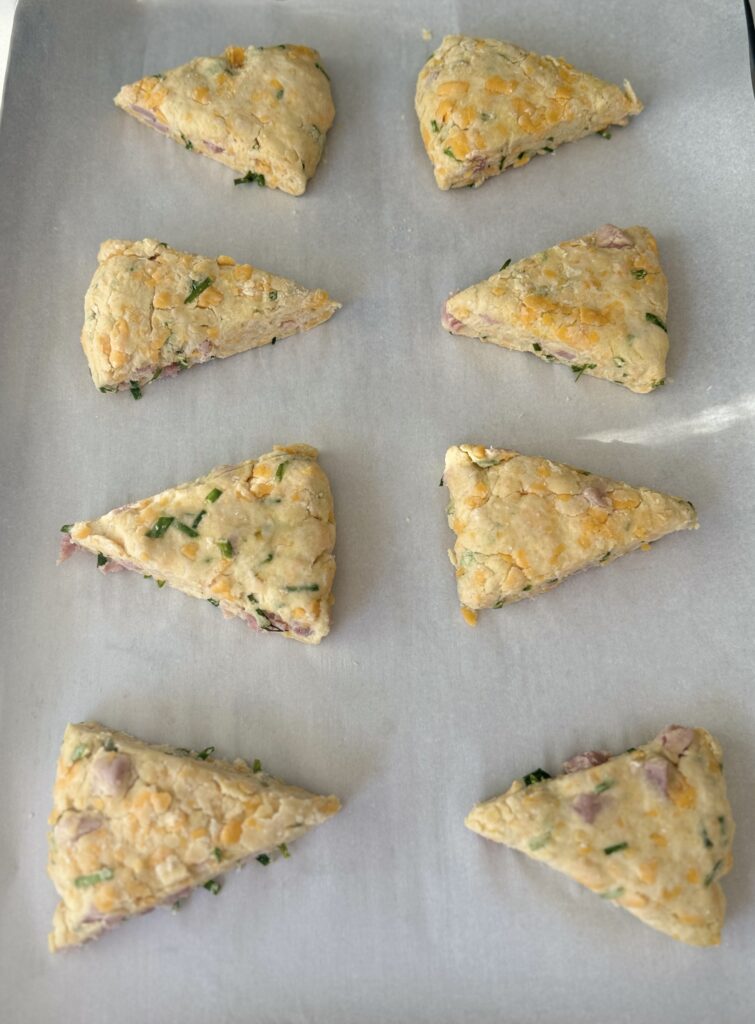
[
  {"x": 204, "y": 754},
  {"x": 539, "y": 775},
  {"x": 101, "y": 559},
  {"x": 503, "y": 267},
  {"x": 657, "y": 321},
  {"x": 263, "y": 859},
  {"x": 109, "y": 744},
  {"x": 66, "y": 527},
  {"x": 214, "y": 601},
  {"x": 304, "y": 586},
  {"x": 319, "y": 68},
  {"x": 449, "y": 152},
  {"x": 136, "y": 391},
  {"x": 80, "y": 751},
  {"x": 605, "y": 556},
  {"x": 250, "y": 177},
  {"x": 639, "y": 273},
  {"x": 273, "y": 341},
  {"x": 188, "y": 530},
  {"x": 252, "y": 598},
  {"x": 709, "y": 878},
  {"x": 578, "y": 369},
  {"x": 521, "y": 155},
  {"x": 197, "y": 287},
  {"x": 603, "y": 786},
  {"x": 198, "y": 518},
  {"x": 213, "y": 886},
  {"x": 187, "y": 142},
  {"x": 435, "y": 126},
  {"x": 158, "y": 529},
  {"x": 485, "y": 116},
  {"x": 217, "y": 853},
  {"x": 537, "y": 347},
  {"x": 613, "y": 894},
  {"x": 272, "y": 296},
  {"x": 160, "y": 583},
  {"x": 658, "y": 383},
  {"x": 707, "y": 841},
  {"x": 268, "y": 559},
  {"x": 213, "y": 495},
  {"x": 528, "y": 587},
  {"x": 85, "y": 881},
  {"x": 225, "y": 548},
  {"x": 284, "y": 850},
  {"x": 108, "y": 389},
  {"x": 279, "y": 94},
  {"x": 281, "y": 470},
  {"x": 619, "y": 360},
  {"x": 538, "y": 842},
  {"x": 604, "y": 133},
  {"x": 175, "y": 907},
  {"x": 501, "y": 162},
  {"x": 608, "y": 850},
  {"x": 256, "y": 765},
  {"x": 722, "y": 825},
  {"x": 547, "y": 149}
]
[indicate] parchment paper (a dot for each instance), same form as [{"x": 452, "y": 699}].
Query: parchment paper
[{"x": 393, "y": 911}]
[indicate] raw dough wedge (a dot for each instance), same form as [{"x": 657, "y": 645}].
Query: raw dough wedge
[
  {"x": 524, "y": 523},
  {"x": 485, "y": 105},
  {"x": 135, "y": 826},
  {"x": 263, "y": 110},
  {"x": 650, "y": 830},
  {"x": 256, "y": 539},
  {"x": 597, "y": 304},
  {"x": 153, "y": 311}
]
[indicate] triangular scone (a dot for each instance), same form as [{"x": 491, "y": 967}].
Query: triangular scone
[
  {"x": 263, "y": 110},
  {"x": 153, "y": 310},
  {"x": 650, "y": 830},
  {"x": 135, "y": 826},
  {"x": 256, "y": 539},
  {"x": 524, "y": 523},
  {"x": 485, "y": 105},
  {"x": 597, "y": 304}
]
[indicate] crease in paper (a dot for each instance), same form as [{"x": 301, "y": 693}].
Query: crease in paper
[{"x": 710, "y": 421}]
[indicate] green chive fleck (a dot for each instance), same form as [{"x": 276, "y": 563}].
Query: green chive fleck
[
  {"x": 323, "y": 70},
  {"x": 539, "y": 775},
  {"x": 658, "y": 383},
  {"x": 608, "y": 850},
  {"x": 85, "y": 881},
  {"x": 213, "y": 601},
  {"x": 66, "y": 527},
  {"x": 197, "y": 287},
  {"x": 213, "y": 495},
  {"x": 657, "y": 321},
  {"x": 198, "y": 518},
  {"x": 101, "y": 559},
  {"x": 304, "y": 586},
  {"x": 434, "y": 125},
  {"x": 213, "y": 886},
  {"x": 218, "y": 853},
  {"x": 538, "y": 842},
  {"x": 707, "y": 841},
  {"x": 158, "y": 529},
  {"x": 279, "y": 94},
  {"x": 504, "y": 265},
  {"x": 257, "y": 765},
  {"x": 613, "y": 894},
  {"x": 272, "y": 296},
  {"x": 79, "y": 752},
  {"x": 501, "y": 162},
  {"x": 537, "y": 347},
  {"x": 284, "y": 850},
  {"x": 449, "y": 152},
  {"x": 263, "y": 859},
  {"x": 708, "y": 880},
  {"x": 281, "y": 470},
  {"x": 109, "y": 744},
  {"x": 204, "y": 754},
  {"x": 604, "y": 133},
  {"x": 639, "y": 273},
  {"x": 528, "y": 587},
  {"x": 225, "y": 548},
  {"x": 187, "y": 142},
  {"x": 188, "y": 530},
  {"x": 251, "y": 177},
  {"x": 579, "y": 368},
  {"x": 547, "y": 149},
  {"x": 136, "y": 391},
  {"x": 160, "y": 583},
  {"x": 603, "y": 786}
]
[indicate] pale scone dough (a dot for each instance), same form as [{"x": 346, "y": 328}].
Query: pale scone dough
[
  {"x": 650, "y": 830},
  {"x": 135, "y": 826},
  {"x": 263, "y": 110}
]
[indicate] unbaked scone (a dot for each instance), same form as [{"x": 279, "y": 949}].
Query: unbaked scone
[
  {"x": 255, "y": 539},
  {"x": 485, "y": 105},
  {"x": 135, "y": 826},
  {"x": 598, "y": 304},
  {"x": 650, "y": 830},
  {"x": 153, "y": 311},
  {"x": 524, "y": 523},
  {"x": 263, "y": 110}
]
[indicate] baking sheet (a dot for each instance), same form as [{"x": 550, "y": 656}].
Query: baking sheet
[{"x": 392, "y": 911}]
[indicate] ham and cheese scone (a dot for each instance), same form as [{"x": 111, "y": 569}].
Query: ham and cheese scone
[
  {"x": 485, "y": 105},
  {"x": 151, "y": 310},
  {"x": 597, "y": 304},
  {"x": 135, "y": 826},
  {"x": 649, "y": 830},
  {"x": 524, "y": 523},
  {"x": 263, "y": 110},
  {"x": 256, "y": 539}
]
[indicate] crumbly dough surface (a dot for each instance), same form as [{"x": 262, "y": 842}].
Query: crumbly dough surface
[
  {"x": 256, "y": 539},
  {"x": 135, "y": 826},
  {"x": 485, "y": 105},
  {"x": 263, "y": 110},
  {"x": 524, "y": 523},
  {"x": 597, "y": 304},
  {"x": 153, "y": 311},
  {"x": 650, "y": 830}
]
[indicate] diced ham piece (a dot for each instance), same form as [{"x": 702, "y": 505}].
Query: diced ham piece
[
  {"x": 111, "y": 773},
  {"x": 111, "y": 566},
  {"x": 658, "y": 771},
  {"x": 213, "y": 147},
  {"x": 563, "y": 353},
  {"x": 587, "y": 806},
  {"x": 589, "y": 759},
  {"x": 72, "y": 825},
  {"x": 676, "y": 738},
  {"x": 595, "y": 497},
  {"x": 67, "y": 548},
  {"x": 150, "y": 117},
  {"x": 450, "y": 322},
  {"x": 608, "y": 236}
]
